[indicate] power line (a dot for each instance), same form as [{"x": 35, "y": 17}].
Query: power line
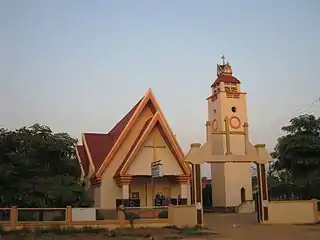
[{"x": 302, "y": 111}]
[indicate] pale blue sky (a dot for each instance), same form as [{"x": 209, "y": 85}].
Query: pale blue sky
[{"x": 79, "y": 66}]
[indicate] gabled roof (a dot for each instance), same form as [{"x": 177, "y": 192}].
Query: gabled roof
[
  {"x": 101, "y": 148},
  {"x": 156, "y": 122},
  {"x": 100, "y": 144}
]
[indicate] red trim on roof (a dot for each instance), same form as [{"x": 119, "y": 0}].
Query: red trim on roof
[
  {"x": 116, "y": 131},
  {"x": 167, "y": 141},
  {"x": 225, "y": 79},
  {"x": 100, "y": 144}
]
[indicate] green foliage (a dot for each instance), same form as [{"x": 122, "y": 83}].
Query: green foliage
[
  {"x": 131, "y": 217},
  {"x": 163, "y": 214},
  {"x": 39, "y": 168},
  {"x": 296, "y": 170},
  {"x": 2, "y": 230}
]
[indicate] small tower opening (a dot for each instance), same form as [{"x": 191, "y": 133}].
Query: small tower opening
[{"x": 243, "y": 194}]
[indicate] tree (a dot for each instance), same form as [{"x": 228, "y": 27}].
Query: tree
[
  {"x": 39, "y": 168},
  {"x": 297, "y": 155}
]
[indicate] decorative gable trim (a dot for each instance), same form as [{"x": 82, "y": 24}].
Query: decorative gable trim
[
  {"x": 83, "y": 174},
  {"x": 177, "y": 149},
  {"x": 91, "y": 165},
  {"x": 122, "y": 136},
  {"x": 140, "y": 140},
  {"x": 157, "y": 119}
]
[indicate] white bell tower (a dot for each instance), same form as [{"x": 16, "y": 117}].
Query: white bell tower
[{"x": 231, "y": 182}]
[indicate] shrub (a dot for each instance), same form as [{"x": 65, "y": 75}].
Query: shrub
[
  {"x": 2, "y": 230},
  {"x": 131, "y": 216}
]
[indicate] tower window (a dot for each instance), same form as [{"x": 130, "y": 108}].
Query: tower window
[
  {"x": 233, "y": 89},
  {"x": 233, "y": 109}
]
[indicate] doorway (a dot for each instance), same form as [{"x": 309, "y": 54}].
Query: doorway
[{"x": 243, "y": 194}]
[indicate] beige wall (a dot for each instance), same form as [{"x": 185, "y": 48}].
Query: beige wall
[
  {"x": 109, "y": 190},
  {"x": 183, "y": 216},
  {"x": 229, "y": 178},
  {"x": 218, "y": 183},
  {"x": 292, "y": 212},
  {"x": 144, "y": 158},
  {"x": 140, "y": 166},
  {"x": 96, "y": 193},
  {"x": 246, "y": 207},
  {"x": 237, "y": 175}
]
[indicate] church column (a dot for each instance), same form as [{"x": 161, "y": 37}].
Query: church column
[
  {"x": 184, "y": 182},
  {"x": 125, "y": 191},
  {"x": 124, "y": 183}
]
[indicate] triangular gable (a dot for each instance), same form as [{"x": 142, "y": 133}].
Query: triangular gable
[
  {"x": 156, "y": 121},
  {"x": 148, "y": 98}
]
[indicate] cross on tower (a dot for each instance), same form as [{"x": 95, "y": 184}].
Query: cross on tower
[
  {"x": 228, "y": 133},
  {"x": 223, "y": 59}
]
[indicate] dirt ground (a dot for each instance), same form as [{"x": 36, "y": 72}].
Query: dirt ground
[
  {"x": 123, "y": 234},
  {"x": 249, "y": 229}
]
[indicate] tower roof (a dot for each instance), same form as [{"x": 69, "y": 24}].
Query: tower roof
[{"x": 224, "y": 73}]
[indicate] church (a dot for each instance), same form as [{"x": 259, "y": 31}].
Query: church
[{"x": 116, "y": 166}]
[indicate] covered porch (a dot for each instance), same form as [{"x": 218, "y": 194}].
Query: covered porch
[{"x": 145, "y": 191}]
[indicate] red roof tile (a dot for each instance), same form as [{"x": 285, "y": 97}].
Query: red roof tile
[
  {"x": 226, "y": 79},
  {"x": 101, "y": 144},
  {"x": 83, "y": 158}
]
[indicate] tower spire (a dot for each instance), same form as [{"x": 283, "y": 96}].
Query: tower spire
[
  {"x": 224, "y": 68},
  {"x": 223, "y": 59}
]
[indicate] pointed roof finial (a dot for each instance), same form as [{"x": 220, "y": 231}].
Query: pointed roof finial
[{"x": 223, "y": 59}]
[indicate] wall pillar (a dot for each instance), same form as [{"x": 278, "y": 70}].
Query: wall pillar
[
  {"x": 125, "y": 191},
  {"x": 262, "y": 200},
  {"x": 184, "y": 182},
  {"x": 184, "y": 189},
  {"x": 124, "y": 183},
  {"x": 198, "y": 193},
  {"x": 13, "y": 217}
]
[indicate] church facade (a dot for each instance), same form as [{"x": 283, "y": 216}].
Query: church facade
[{"x": 116, "y": 166}]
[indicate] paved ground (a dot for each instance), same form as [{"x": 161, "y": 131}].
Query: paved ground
[{"x": 248, "y": 229}]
